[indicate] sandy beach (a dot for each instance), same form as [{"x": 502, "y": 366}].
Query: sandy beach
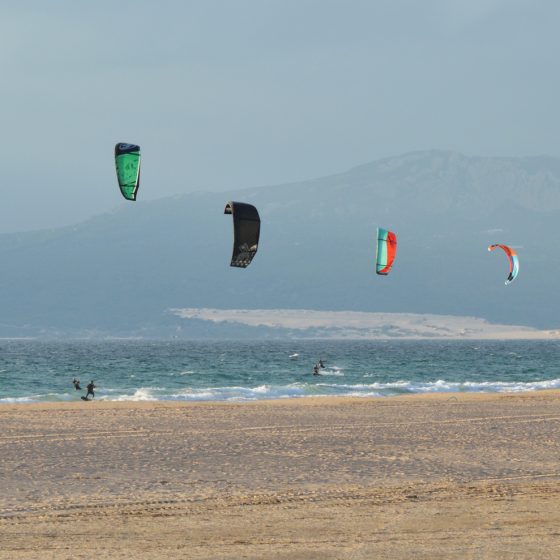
[{"x": 442, "y": 476}]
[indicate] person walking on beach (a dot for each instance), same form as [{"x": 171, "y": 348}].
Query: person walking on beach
[
  {"x": 90, "y": 390},
  {"x": 76, "y": 383}
]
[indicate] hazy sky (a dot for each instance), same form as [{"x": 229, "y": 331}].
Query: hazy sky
[{"x": 235, "y": 93}]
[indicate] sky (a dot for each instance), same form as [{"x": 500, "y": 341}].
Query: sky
[{"x": 228, "y": 94}]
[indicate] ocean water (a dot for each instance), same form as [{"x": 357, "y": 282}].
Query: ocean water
[{"x": 135, "y": 370}]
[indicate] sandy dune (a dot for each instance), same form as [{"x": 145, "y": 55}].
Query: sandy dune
[
  {"x": 356, "y": 325},
  {"x": 463, "y": 476}
]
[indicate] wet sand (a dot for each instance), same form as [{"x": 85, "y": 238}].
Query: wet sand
[{"x": 441, "y": 476}]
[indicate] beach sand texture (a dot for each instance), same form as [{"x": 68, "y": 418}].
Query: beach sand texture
[{"x": 463, "y": 476}]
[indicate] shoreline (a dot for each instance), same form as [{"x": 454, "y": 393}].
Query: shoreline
[
  {"x": 314, "y": 400},
  {"x": 461, "y": 475}
]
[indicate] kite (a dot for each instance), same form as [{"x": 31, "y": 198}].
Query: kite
[
  {"x": 513, "y": 261},
  {"x": 386, "y": 251},
  {"x": 127, "y": 162},
  {"x": 246, "y": 231}
]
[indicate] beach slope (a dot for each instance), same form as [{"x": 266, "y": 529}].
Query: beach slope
[{"x": 442, "y": 476}]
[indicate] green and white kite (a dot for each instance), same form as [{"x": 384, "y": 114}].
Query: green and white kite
[{"x": 127, "y": 162}]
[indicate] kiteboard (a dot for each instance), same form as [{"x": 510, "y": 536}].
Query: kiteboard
[{"x": 84, "y": 399}]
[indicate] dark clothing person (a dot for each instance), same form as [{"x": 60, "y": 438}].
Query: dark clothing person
[
  {"x": 90, "y": 387},
  {"x": 76, "y": 383},
  {"x": 321, "y": 364},
  {"x": 316, "y": 369}
]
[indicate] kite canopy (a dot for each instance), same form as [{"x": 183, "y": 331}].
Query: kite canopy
[
  {"x": 246, "y": 230},
  {"x": 386, "y": 251},
  {"x": 127, "y": 162},
  {"x": 513, "y": 261}
]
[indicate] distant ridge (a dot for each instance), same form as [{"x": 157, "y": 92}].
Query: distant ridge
[{"x": 118, "y": 273}]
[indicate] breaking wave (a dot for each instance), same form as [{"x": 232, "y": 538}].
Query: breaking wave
[{"x": 301, "y": 390}]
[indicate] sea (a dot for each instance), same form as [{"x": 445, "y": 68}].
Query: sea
[{"x": 140, "y": 370}]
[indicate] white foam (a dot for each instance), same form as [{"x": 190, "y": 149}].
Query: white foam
[
  {"x": 141, "y": 394},
  {"x": 238, "y": 393},
  {"x": 46, "y": 397},
  {"x": 332, "y": 372},
  {"x": 299, "y": 390},
  {"x": 296, "y": 390},
  {"x": 16, "y": 400},
  {"x": 444, "y": 386}
]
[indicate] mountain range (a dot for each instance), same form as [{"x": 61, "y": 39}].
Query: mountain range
[{"x": 120, "y": 273}]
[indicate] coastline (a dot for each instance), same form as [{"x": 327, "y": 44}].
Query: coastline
[
  {"x": 445, "y": 475},
  {"x": 311, "y": 400}
]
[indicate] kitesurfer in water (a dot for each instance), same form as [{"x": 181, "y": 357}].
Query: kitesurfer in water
[
  {"x": 90, "y": 390},
  {"x": 321, "y": 364},
  {"x": 76, "y": 383},
  {"x": 316, "y": 369}
]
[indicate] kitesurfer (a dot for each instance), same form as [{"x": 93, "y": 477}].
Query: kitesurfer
[
  {"x": 316, "y": 369},
  {"x": 90, "y": 390},
  {"x": 321, "y": 364},
  {"x": 76, "y": 383}
]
